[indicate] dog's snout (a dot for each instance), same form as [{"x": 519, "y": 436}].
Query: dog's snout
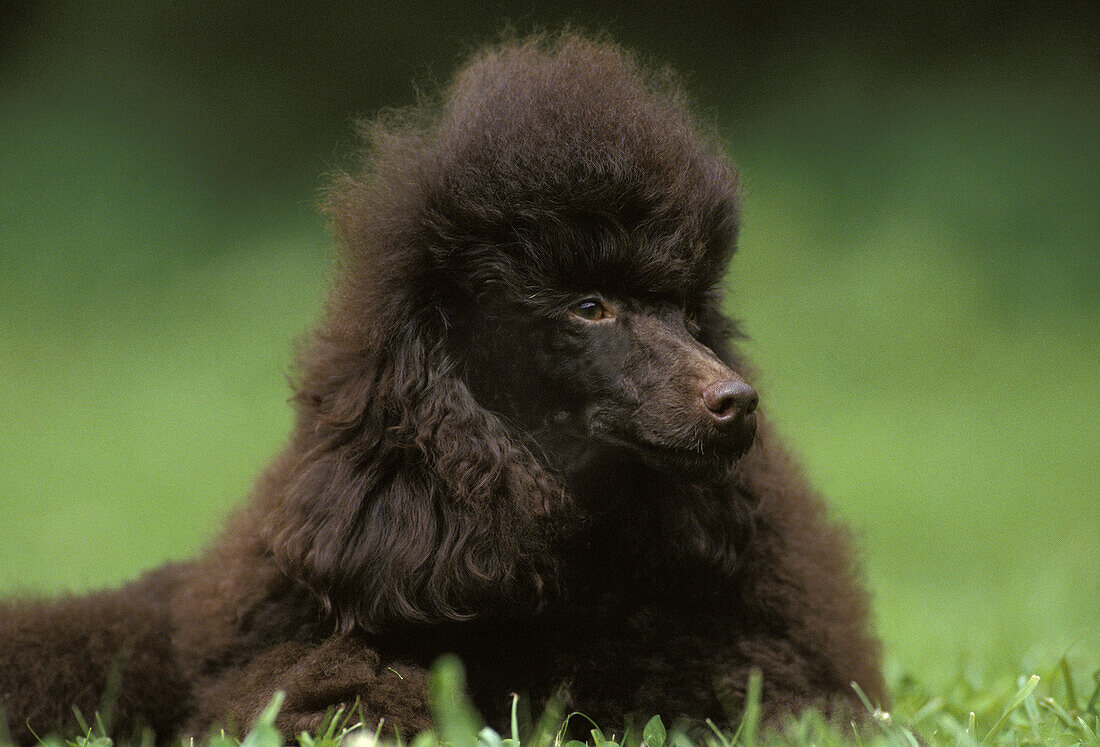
[
  {"x": 730, "y": 404},
  {"x": 729, "y": 399}
]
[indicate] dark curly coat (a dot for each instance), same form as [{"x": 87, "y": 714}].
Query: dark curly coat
[{"x": 523, "y": 436}]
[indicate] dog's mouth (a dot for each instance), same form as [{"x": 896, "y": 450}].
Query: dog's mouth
[
  {"x": 709, "y": 461},
  {"x": 691, "y": 454}
]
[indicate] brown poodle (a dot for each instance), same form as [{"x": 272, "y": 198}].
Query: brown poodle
[{"x": 523, "y": 435}]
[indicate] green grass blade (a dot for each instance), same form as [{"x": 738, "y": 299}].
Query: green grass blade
[
  {"x": 455, "y": 718},
  {"x": 654, "y": 733},
  {"x": 718, "y": 733},
  {"x": 1017, "y": 699},
  {"x": 746, "y": 730},
  {"x": 1067, "y": 678},
  {"x": 264, "y": 733}
]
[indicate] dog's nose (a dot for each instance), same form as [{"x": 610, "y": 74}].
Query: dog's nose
[
  {"x": 730, "y": 399},
  {"x": 731, "y": 403}
]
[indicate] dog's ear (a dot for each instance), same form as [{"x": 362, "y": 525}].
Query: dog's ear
[{"x": 401, "y": 498}]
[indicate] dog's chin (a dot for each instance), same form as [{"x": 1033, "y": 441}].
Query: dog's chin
[
  {"x": 692, "y": 466},
  {"x": 697, "y": 466}
]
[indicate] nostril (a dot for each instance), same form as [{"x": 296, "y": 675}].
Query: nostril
[{"x": 729, "y": 398}]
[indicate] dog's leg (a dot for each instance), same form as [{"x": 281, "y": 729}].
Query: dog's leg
[
  {"x": 317, "y": 679},
  {"x": 108, "y": 653}
]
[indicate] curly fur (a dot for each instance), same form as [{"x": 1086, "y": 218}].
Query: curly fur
[{"x": 475, "y": 469}]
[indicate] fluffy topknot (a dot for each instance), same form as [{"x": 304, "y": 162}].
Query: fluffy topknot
[{"x": 547, "y": 160}]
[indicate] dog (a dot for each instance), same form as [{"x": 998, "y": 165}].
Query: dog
[{"x": 524, "y": 435}]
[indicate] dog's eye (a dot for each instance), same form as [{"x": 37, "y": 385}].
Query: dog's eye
[
  {"x": 591, "y": 310},
  {"x": 691, "y": 321}
]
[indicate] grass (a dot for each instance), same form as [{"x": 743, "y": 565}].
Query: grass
[{"x": 1053, "y": 708}]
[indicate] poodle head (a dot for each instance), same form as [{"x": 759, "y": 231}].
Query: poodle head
[
  {"x": 530, "y": 297},
  {"x": 570, "y": 223}
]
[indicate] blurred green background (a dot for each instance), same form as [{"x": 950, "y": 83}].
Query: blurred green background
[{"x": 919, "y": 273}]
